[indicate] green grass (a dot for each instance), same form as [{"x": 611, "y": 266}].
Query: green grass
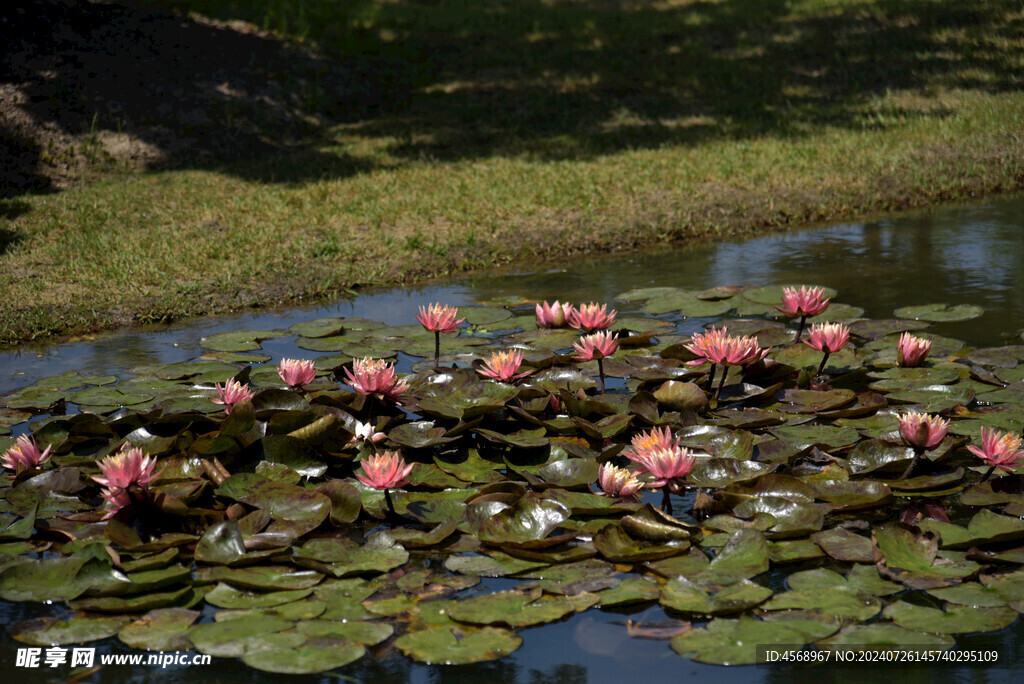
[{"x": 467, "y": 134}]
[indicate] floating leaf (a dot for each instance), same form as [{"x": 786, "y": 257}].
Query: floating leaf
[
  {"x": 316, "y": 655},
  {"x": 956, "y": 619},
  {"x": 939, "y": 313},
  {"x": 883, "y": 637},
  {"x": 735, "y": 642},
  {"x": 683, "y": 595},
  {"x": 447, "y": 646},
  {"x": 234, "y": 638},
  {"x": 78, "y": 629},
  {"x": 160, "y": 630}
]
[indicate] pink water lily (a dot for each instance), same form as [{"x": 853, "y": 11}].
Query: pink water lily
[
  {"x": 386, "y": 470},
  {"x": 827, "y": 338},
  {"x": 439, "y": 318},
  {"x": 911, "y": 351},
  {"x": 592, "y": 316},
  {"x": 803, "y": 302},
  {"x": 24, "y": 454},
  {"x": 650, "y": 441},
  {"x": 376, "y": 377},
  {"x": 231, "y": 393},
  {"x": 668, "y": 466},
  {"x": 126, "y": 477},
  {"x": 618, "y": 482},
  {"x": 922, "y": 431},
  {"x": 554, "y": 315},
  {"x": 704, "y": 344},
  {"x": 296, "y": 373},
  {"x": 595, "y": 346},
  {"x": 503, "y": 366},
  {"x": 999, "y": 450}
]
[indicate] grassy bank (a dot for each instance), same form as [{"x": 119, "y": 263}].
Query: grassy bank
[{"x": 450, "y": 136}]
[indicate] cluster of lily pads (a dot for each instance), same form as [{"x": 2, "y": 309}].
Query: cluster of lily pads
[{"x": 331, "y": 505}]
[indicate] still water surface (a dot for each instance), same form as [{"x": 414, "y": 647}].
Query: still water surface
[{"x": 958, "y": 255}]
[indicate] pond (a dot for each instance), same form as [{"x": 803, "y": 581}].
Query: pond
[{"x": 965, "y": 255}]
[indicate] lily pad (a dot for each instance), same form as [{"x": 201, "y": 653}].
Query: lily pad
[
  {"x": 735, "y": 642},
  {"x": 956, "y": 619},
  {"x": 242, "y": 340},
  {"x": 455, "y": 646},
  {"x": 78, "y": 629},
  {"x": 939, "y": 313},
  {"x": 315, "y": 655},
  {"x": 163, "y": 629}
]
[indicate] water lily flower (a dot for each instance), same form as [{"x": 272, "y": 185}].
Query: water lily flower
[
  {"x": 999, "y": 450},
  {"x": 719, "y": 347},
  {"x": 231, "y": 393},
  {"x": 439, "y": 319},
  {"x": 922, "y": 431},
  {"x": 827, "y": 338},
  {"x": 911, "y": 351},
  {"x": 126, "y": 477},
  {"x": 592, "y": 317},
  {"x": 596, "y": 346},
  {"x": 668, "y": 466},
  {"x": 702, "y": 344},
  {"x": 618, "y": 482},
  {"x": 503, "y": 365},
  {"x": 24, "y": 454},
  {"x": 650, "y": 441},
  {"x": 554, "y": 315},
  {"x": 385, "y": 471},
  {"x": 803, "y": 303},
  {"x": 296, "y": 373},
  {"x": 364, "y": 433},
  {"x": 376, "y": 377}
]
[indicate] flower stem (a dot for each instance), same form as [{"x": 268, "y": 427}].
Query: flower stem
[
  {"x": 391, "y": 505},
  {"x": 600, "y": 373},
  {"x": 711, "y": 376},
  {"x": 721, "y": 383},
  {"x": 988, "y": 474},
  {"x": 437, "y": 351},
  {"x": 824, "y": 360},
  {"x": 913, "y": 464},
  {"x": 666, "y": 500},
  {"x": 800, "y": 330}
]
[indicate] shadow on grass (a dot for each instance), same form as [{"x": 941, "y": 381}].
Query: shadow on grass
[{"x": 461, "y": 79}]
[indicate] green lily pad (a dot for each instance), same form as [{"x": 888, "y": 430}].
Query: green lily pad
[
  {"x": 239, "y": 341},
  {"x": 630, "y": 591},
  {"x": 457, "y": 646},
  {"x": 235, "y": 638},
  {"x": 911, "y": 558},
  {"x": 343, "y": 557},
  {"x": 939, "y": 313},
  {"x": 315, "y": 655},
  {"x": 720, "y": 472},
  {"x": 744, "y": 556},
  {"x": 682, "y": 595},
  {"x": 735, "y": 642},
  {"x": 131, "y": 604},
  {"x": 824, "y": 436},
  {"x": 226, "y": 596},
  {"x": 320, "y": 327},
  {"x": 365, "y": 633},
  {"x": 883, "y": 636},
  {"x": 956, "y": 619},
  {"x": 618, "y": 546},
  {"x": 512, "y": 608},
  {"x": 262, "y": 578},
  {"x": 422, "y": 434},
  {"x": 78, "y": 629},
  {"x": 284, "y": 502},
  {"x": 163, "y": 629},
  {"x": 531, "y": 519},
  {"x": 837, "y": 602},
  {"x": 845, "y": 545},
  {"x": 793, "y": 551},
  {"x": 495, "y": 564}
]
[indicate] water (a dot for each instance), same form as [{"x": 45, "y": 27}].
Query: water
[{"x": 967, "y": 254}]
